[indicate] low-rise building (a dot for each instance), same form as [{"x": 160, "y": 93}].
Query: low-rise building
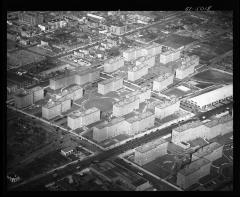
[
  {"x": 193, "y": 172},
  {"x": 150, "y": 151},
  {"x": 67, "y": 151}
]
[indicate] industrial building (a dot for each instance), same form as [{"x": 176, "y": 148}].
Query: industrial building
[
  {"x": 137, "y": 72},
  {"x": 139, "y": 123},
  {"x": 210, "y": 152},
  {"x": 113, "y": 64},
  {"x": 209, "y": 130},
  {"x": 169, "y": 56},
  {"x": 150, "y": 151},
  {"x": 80, "y": 77},
  {"x": 187, "y": 66},
  {"x": 143, "y": 94},
  {"x": 163, "y": 81},
  {"x": 107, "y": 130},
  {"x": 78, "y": 119},
  {"x": 167, "y": 108},
  {"x": 193, "y": 172},
  {"x": 114, "y": 174},
  {"x": 202, "y": 101},
  {"x": 109, "y": 85},
  {"x": 23, "y": 98},
  {"x": 125, "y": 106}
]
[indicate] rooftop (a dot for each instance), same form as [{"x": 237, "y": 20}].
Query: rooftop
[
  {"x": 194, "y": 166},
  {"x": 166, "y": 103},
  {"x": 125, "y": 101},
  {"x": 220, "y": 120},
  {"x": 111, "y": 123},
  {"x": 206, "y": 150},
  {"x": 138, "y": 67},
  {"x": 51, "y": 104},
  {"x": 78, "y": 113},
  {"x": 164, "y": 76},
  {"x": 150, "y": 145},
  {"x": 188, "y": 125},
  {"x": 67, "y": 149},
  {"x": 107, "y": 81},
  {"x": 140, "y": 117}
]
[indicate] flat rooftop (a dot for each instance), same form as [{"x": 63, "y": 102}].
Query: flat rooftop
[
  {"x": 188, "y": 125},
  {"x": 206, "y": 150},
  {"x": 51, "y": 104},
  {"x": 140, "y": 117},
  {"x": 151, "y": 145},
  {"x": 164, "y": 76},
  {"x": 217, "y": 121},
  {"x": 107, "y": 81},
  {"x": 125, "y": 101},
  {"x": 194, "y": 166},
  {"x": 77, "y": 113},
  {"x": 111, "y": 123},
  {"x": 163, "y": 104}
]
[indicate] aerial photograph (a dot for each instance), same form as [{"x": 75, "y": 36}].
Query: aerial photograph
[{"x": 119, "y": 101}]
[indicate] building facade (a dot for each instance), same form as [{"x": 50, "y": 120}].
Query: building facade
[
  {"x": 150, "y": 151},
  {"x": 79, "y": 119},
  {"x": 109, "y": 85},
  {"x": 193, "y": 172},
  {"x": 137, "y": 72},
  {"x": 113, "y": 64},
  {"x": 163, "y": 81},
  {"x": 125, "y": 106},
  {"x": 169, "y": 56},
  {"x": 167, "y": 108}
]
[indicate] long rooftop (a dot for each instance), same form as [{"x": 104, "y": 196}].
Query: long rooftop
[
  {"x": 78, "y": 113},
  {"x": 164, "y": 76},
  {"x": 188, "y": 125},
  {"x": 125, "y": 101},
  {"x": 140, "y": 117},
  {"x": 207, "y": 149},
  {"x": 107, "y": 81},
  {"x": 166, "y": 103}
]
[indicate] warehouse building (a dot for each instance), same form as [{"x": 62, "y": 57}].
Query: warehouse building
[
  {"x": 125, "y": 106},
  {"x": 80, "y": 77},
  {"x": 110, "y": 85},
  {"x": 193, "y": 172},
  {"x": 167, "y": 108},
  {"x": 169, "y": 56},
  {"x": 139, "y": 123},
  {"x": 207, "y": 99},
  {"x": 137, "y": 72},
  {"x": 79, "y": 119},
  {"x": 23, "y": 98},
  {"x": 210, "y": 152},
  {"x": 163, "y": 81},
  {"x": 150, "y": 151},
  {"x": 113, "y": 64},
  {"x": 187, "y": 66},
  {"x": 107, "y": 130},
  {"x": 209, "y": 130},
  {"x": 143, "y": 94}
]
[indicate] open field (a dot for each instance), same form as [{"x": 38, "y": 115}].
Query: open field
[{"x": 213, "y": 76}]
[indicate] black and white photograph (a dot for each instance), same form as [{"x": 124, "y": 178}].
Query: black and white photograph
[{"x": 119, "y": 100}]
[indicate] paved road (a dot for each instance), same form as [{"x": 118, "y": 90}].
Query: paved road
[{"x": 108, "y": 154}]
